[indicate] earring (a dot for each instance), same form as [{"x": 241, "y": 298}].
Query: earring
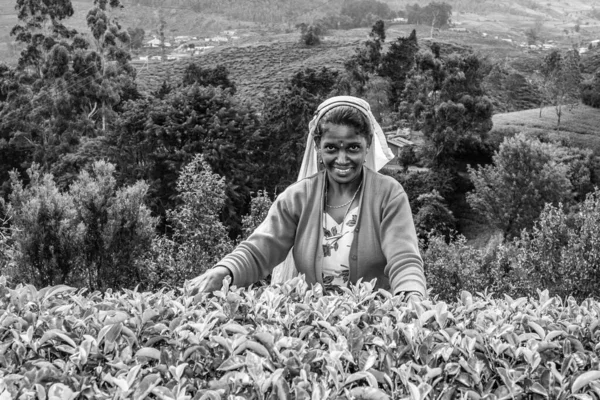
[{"x": 320, "y": 161}]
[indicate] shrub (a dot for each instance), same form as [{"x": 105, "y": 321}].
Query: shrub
[
  {"x": 199, "y": 238},
  {"x": 451, "y": 267},
  {"x": 525, "y": 176},
  {"x": 310, "y": 35},
  {"x": 259, "y": 207},
  {"x": 44, "y": 231},
  {"x": 89, "y": 236},
  {"x": 115, "y": 227},
  {"x": 562, "y": 252},
  {"x": 433, "y": 215}
]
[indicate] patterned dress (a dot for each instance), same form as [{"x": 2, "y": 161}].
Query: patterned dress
[{"x": 337, "y": 239}]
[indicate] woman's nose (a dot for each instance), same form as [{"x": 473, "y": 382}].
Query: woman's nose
[{"x": 341, "y": 157}]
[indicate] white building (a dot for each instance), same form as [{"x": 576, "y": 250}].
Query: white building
[{"x": 155, "y": 42}]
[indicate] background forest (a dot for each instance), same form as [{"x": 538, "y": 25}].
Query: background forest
[{"x": 105, "y": 185}]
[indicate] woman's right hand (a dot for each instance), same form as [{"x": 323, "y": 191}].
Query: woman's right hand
[{"x": 209, "y": 281}]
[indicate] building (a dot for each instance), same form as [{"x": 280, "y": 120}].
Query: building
[
  {"x": 397, "y": 140},
  {"x": 155, "y": 42}
]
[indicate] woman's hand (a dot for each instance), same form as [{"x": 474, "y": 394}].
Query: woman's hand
[{"x": 209, "y": 281}]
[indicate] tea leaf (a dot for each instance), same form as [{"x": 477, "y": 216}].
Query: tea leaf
[
  {"x": 148, "y": 352},
  {"x": 584, "y": 379}
]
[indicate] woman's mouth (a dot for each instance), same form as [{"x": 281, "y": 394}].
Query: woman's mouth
[{"x": 343, "y": 170}]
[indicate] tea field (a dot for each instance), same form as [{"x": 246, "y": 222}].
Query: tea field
[
  {"x": 294, "y": 342},
  {"x": 578, "y": 125}
]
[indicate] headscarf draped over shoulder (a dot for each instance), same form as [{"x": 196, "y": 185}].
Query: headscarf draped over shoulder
[{"x": 377, "y": 158}]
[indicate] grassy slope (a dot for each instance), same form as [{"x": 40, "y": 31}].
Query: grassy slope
[{"x": 580, "y": 124}]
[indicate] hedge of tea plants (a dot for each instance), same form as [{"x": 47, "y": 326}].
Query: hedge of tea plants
[{"x": 294, "y": 341}]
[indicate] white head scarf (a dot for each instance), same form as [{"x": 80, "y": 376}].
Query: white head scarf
[{"x": 376, "y": 159}]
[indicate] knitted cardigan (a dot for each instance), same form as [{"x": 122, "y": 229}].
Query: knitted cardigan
[{"x": 385, "y": 244}]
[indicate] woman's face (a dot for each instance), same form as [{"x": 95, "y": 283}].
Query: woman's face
[{"x": 343, "y": 152}]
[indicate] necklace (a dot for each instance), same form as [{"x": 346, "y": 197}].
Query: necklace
[
  {"x": 345, "y": 204},
  {"x": 349, "y": 204}
]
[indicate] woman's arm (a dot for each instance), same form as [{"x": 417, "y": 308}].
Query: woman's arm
[
  {"x": 400, "y": 246},
  {"x": 268, "y": 245}
]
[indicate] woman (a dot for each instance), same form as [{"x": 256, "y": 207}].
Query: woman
[{"x": 342, "y": 221}]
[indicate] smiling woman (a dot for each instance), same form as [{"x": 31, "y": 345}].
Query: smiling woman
[{"x": 341, "y": 222}]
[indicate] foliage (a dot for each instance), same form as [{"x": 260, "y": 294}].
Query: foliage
[
  {"x": 310, "y": 34},
  {"x": 155, "y": 138},
  {"x": 396, "y": 64},
  {"x": 561, "y": 79},
  {"x": 136, "y": 37},
  {"x": 562, "y": 251},
  {"x": 365, "y": 12},
  {"x": 364, "y": 63},
  {"x": 511, "y": 193},
  {"x": 40, "y": 30},
  {"x": 89, "y": 236},
  {"x": 433, "y": 215},
  {"x": 44, "y": 231},
  {"x": 64, "y": 88},
  {"x": 292, "y": 341},
  {"x": 417, "y": 183},
  {"x": 590, "y": 91},
  {"x": 217, "y": 77},
  {"x": 433, "y": 14},
  {"x": 199, "y": 239},
  {"x": 452, "y": 266},
  {"x": 259, "y": 207},
  {"x": 443, "y": 97}
]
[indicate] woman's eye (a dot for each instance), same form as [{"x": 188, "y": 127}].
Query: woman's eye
[
  {"x": 329, "y": 148},
  {"x": 354, "y": 147}
]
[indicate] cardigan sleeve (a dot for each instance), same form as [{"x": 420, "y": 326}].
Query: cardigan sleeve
[
  {"x": 400, "y": 246},
  {"x": 267, "y": 246}
]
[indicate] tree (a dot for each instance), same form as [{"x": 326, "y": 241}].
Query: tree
[
  {"x": 115, "y": 226},
  {"x": 590, "y": 91},
  {"x": 136, "y": 37},
  {"x": 110, "y": 42},
  {"x": 511, "y": 193},
  {"x": 396, "y": 64},
  {"x": 217, "y": 76},
  {"x": 310, "y": 35},
  {"x": 364, "y": 63},
  {"x": 444, "y": 99},
  {"x": 67, "y": 90},
  {"x": 199, "y": 239},
  {"x": 43, "y": 230},
  {"x": 434, "y": 14},
  {"x": 155, "y": 138},
  {"x": 40, "y": 30},
  {"x": 365, "y": 12},
  {"x": 561, "y": 79}
]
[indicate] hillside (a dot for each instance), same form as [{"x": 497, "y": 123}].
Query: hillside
[
  {"x": 255, "y": 68},
  {"x": 485, "y": 21},
  {"x": 579, "y": 126}
]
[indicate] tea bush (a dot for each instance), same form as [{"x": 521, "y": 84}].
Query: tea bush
[{"x": 293, "y": 342}]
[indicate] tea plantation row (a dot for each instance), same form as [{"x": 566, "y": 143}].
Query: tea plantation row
[{"x": 293, "y": 342}]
